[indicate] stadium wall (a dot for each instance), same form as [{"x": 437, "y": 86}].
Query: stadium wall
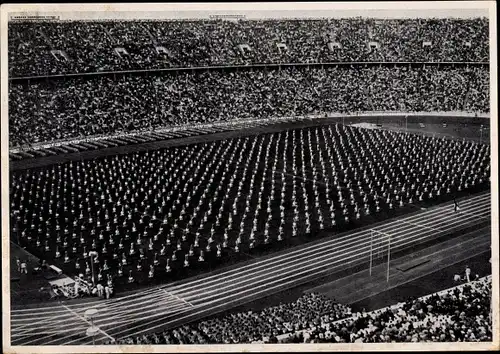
[
  {"x": 175, "y": 70},
  {"x": 455, "y": 117}
]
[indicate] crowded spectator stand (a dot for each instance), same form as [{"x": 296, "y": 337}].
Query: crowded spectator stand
[
  {"x": 252, "y": 326},
  {"x": 203, "y": 211},
  {"x": 63, "y": 46},
  {"x": 85, "y": 107},
  {"x": 460, "y": 314}
]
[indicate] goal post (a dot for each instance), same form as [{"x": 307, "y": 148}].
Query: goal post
[{"x": 379, "y": 239}]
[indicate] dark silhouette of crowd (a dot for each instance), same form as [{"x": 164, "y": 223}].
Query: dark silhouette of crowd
[
  {"x": 47, "y": 48},
  {"x": 266, "y": 325},
  {"x": 149, "y": 215},
  {"x": 80, "y": 107},
  {"x": 462, "y": 314}
]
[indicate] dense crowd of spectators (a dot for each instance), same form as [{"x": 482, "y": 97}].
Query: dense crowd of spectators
[
  {"x": 90, "y": 46},
  {"x": 460, "y": 315},
  {"x": 147, "y": 232},
  {"x": 266, "y": 325},
  {"x": 83, "y": 107}
]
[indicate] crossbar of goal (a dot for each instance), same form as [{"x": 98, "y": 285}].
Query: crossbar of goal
[{"x": 373, "y": 234}]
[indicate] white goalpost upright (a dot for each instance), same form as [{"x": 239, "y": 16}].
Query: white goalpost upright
[{"x": 379, "y": 246}]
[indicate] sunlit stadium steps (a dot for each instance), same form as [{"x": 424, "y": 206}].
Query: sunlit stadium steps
[
  {"x": 25, "y": 155},
  {"x": 128, "y": 140},
  {"x": 78, "y": 147},
  {"x": 163, "y": 135},
  {"x": 106, "y": 143},
  {"x": 93, "y": 145},
  {"x": 71, "y": 148},
  {"x": 212, "y": 129},
  {"x": 143, "y": 138},
  {"x": 89, "y": 146},
  {"x": 118, "y": 141},
  {"x": 41, "y": 153},
  {"x": 51, "y": 151},
  {"x": 151, "y": 137},
  {"x": 156, "y": 136},
  {"x": 194, "y": 132},
  {"x": 181, "y": 134},
  {"x": 15, "y": 156},
  {"x": 191, "y": 132},
  {"x": 176, "y": 134},
  {"x": 60, "y": 149}
]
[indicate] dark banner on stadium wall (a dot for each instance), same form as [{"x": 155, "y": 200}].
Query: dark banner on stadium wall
[{"x": 34, "y": 18}]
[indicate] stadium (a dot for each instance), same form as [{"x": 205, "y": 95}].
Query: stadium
[{"x": 231, "y": 180}]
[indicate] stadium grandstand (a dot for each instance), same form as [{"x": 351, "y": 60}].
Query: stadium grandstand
[
  {"x": 457, "y": 314},
  {"x": 227, "y": 180}
]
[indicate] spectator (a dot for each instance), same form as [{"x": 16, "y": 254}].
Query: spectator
[
  {"x": 467, "y": 273},
  {"x": 81, "y": 107},
  {"x": 251, "y": 327},
  {"x": 100, "y": 290},
  {"x": 91, "y": 46},
  {"x": 24, "y": 267},
  {"x": 460, "y": 314}
]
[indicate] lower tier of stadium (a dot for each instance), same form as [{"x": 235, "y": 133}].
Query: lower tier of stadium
[{"x": 454, "y": 125}]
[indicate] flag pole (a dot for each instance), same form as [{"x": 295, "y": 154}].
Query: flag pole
[
  {"x": 371, "y": 251},
  {"x": 388, "y": 257}
]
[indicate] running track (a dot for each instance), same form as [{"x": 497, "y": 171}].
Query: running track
[{"x": 172, "y": 305}]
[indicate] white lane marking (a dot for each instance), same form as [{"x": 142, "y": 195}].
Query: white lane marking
[
  {"x": 178, "y": 298},
  {"x": 361, "y": 235},
  {"x": 420, "y": 225},
  {"x": 482, "y": 217},
  {"x": 280, "y": 268},
  {"x": 309, "y": 250},
  {"x": 85, "y": 320}
]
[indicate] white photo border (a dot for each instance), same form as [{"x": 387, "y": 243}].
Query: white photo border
[{"x": 134, "y": 8}]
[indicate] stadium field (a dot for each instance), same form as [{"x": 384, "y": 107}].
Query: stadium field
[{"x": 310, "y": 171}]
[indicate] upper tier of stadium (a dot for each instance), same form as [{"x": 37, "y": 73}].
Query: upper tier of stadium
[
  {"x": 68, "y": 47},
  {"x": 81, "y": 107}
]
